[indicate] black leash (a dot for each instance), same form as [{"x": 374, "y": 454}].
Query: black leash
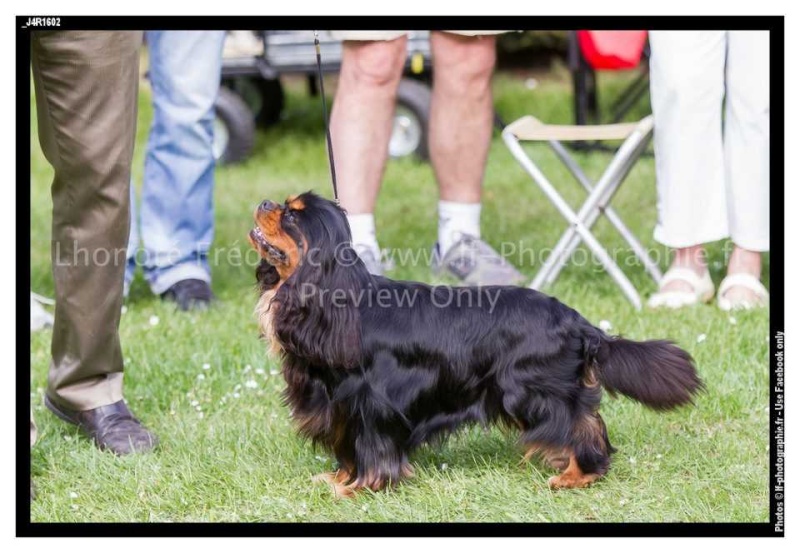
[{"x": 325, "y": 115}]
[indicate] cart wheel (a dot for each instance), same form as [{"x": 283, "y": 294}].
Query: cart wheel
[
  {"x": 234, "y": 128},
  {"x": 410, "y": 130}
]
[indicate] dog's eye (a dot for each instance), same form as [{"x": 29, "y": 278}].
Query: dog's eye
[{"x": 289, "y": 216}]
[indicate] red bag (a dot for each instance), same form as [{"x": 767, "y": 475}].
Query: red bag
[{"x": 612, "y": 49}]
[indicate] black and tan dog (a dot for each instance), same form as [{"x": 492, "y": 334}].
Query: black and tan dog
[{"x": 376, "y": 367}]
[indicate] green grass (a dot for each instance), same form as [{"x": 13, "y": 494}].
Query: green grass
[{"x": 238, "y": 459}]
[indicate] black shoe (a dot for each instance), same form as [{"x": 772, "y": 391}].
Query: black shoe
[
  {"x": 189, "y": 294},
  {"x": 112, "y": 427}
]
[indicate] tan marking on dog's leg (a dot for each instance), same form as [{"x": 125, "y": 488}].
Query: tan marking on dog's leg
[
  {"x": 339, "y": 481},
  {"x": 556, "y": 457},
  {"x": 572, "y": 477}
]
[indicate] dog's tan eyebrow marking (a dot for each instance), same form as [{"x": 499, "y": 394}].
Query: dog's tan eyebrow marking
[{"x": 295, "y": 203}]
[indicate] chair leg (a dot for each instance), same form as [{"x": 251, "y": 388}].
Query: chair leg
[
  {"x": 556, "y": 259},
  {"x": 580, "y": 232},
  {"x": 611, "y": 267},
  {"x": 639, "y": 250},
  {"x": 602, "y": 192}
]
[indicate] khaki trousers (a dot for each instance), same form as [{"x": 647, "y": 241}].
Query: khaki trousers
[{"x": 86, "y": 85}]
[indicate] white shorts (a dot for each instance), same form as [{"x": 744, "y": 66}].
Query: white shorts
[{"x": 391, "y": 35}]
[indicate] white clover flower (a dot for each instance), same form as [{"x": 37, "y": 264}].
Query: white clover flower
[
  {"x": 206, "y": 366},
  {"x": 154, "y": 320},
  {"x": 701, "y": 338},
  {"x": 604, "y": 325},
  {"x": 251, "y": 384}
]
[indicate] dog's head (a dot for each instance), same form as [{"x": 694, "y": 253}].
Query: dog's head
[
  {"x": 307, "y": 258},
  {"x": 304, "y": 229}
]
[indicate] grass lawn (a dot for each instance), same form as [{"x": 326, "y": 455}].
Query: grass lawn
[{"x": 205, "y": 385}]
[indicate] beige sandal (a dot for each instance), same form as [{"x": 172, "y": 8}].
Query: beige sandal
[
  {"x": 744, "y": 280},
  {"x": 702, "y": 289}
]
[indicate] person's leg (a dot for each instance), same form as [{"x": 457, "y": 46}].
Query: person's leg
[
  {"x": 747, "y": 155},
  {"x": 133, "y": 245},
  {"x": 361, "y": 124},
  {"x": 461, "y": 113},
  {"x": 687, "y": 86},
  {"x": 461, "y": 122},
  {"x": 86, "y": 86},
  {"x": 177, "y": 217}
]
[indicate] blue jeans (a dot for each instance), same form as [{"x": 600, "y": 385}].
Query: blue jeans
[{"x": 177, "y": 212}]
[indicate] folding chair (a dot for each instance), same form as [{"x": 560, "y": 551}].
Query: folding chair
[{"x": 635, "y": 138}]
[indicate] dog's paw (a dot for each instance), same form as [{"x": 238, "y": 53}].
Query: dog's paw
[
  {"x": 569, "y": 481},
  {"x": 338, "y": 481}
]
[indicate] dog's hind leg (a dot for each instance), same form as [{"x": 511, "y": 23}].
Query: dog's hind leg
[
  {"x": 589, "y": 455},
  {"x": 555, "y": 456},
  {"x": 546, "y": 431}
]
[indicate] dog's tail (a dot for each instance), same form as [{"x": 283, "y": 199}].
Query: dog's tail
[{"x": 656, "y": 373}]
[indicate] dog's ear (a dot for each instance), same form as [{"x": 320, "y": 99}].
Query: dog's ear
[
  {"x": 267, "y": 276},
  {"x": 318, "y": 308}
]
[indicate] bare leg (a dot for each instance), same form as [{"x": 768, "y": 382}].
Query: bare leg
[
  {"x": 461, "y": 113},
  {"x": 361, "y": 120}
]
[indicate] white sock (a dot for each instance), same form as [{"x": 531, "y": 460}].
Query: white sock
[
  {"x": 455, "y": 219},
  {"x": 362, "y": 226}
]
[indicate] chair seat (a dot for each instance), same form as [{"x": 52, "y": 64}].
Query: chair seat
[{"x": 530, "y": 128}]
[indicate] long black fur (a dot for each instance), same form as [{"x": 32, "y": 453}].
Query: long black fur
[{"x": 371, "y": 382}]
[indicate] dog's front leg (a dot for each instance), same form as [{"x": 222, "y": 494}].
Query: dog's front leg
[{"x": 379, "y": 462}]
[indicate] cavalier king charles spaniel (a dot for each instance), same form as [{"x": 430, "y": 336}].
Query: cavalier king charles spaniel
[{"x": 375, "y": 367}]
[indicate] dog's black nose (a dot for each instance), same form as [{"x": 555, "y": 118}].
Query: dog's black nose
[{"x": 267, "y": 205}]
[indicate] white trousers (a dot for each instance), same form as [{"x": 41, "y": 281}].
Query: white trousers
[{"x": 712, "y": 183}]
